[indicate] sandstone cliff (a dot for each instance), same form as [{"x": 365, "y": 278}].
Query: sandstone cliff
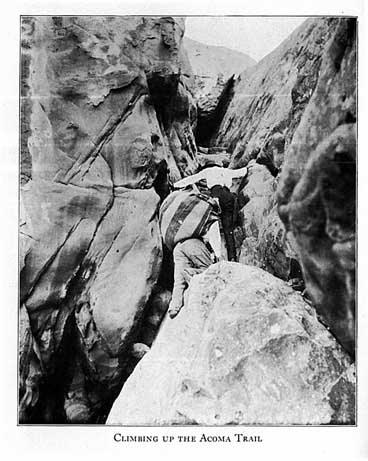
[
  {"x": 106, "y": 104},
  {"x": 247, "y": 349},
  {"x": 292, "y": 120},
  {"x": 105, "y": 100}
]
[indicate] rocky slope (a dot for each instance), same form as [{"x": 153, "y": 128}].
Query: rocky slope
[
  {"x": 263, "y": 114},
  {"x": 292, "y": 120},
  {"x": 270, "y": 97},
  {"x": 214, "y": 69},
  {"x": 105, "y": 100},
  {"x": 208, "y": 62},
  {"x": 245, "y": 349}
]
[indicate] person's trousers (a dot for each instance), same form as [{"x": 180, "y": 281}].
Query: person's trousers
[
  {"x": 190, "y": 257},
  {"x": 227, "y": 204}
]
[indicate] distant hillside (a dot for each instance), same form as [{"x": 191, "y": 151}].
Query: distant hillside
[{"x": 209, "y": 61}]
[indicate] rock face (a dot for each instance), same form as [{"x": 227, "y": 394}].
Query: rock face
[
  {"x": 260, "y": 122},
  {"x": 213, "y": 68},
  {"x": 104, "y": 102},
  {"x": 211, "y": 109},
  {"x": 107, "y": 103},
  {"x": 208, "y": 62},
  {"x": 264, "y": 244},
  {"x": 269, "y": 98},
  {"x": 317, "y": 190},
  {"x": 294, "y": 114},
  {"x": 245, "y": 349},
  {"x": 267, "y": 104}
]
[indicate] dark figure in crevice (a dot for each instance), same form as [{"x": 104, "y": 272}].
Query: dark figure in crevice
[{"x": 161, "y": 183}]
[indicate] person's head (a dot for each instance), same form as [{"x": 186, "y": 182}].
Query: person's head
[
  {"x": 161, "y": 182},
  {"x": 162, "y": 167}
]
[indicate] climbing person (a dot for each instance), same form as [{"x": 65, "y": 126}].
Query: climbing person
[
  {"x": 189, "y": 225},
  {"x": 191, "y": 256},
  {"x": 187, "y": 214},
  {"x": 219, "y": 181}
]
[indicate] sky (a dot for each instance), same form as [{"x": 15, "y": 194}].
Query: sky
[{"x": 255, "y": 36}]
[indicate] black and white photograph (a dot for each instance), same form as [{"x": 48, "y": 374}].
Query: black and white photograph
[
  {"x": 187, "y": 245},
  {"x": 183, "y": 253}
]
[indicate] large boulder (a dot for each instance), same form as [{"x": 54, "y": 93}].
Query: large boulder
[
  {"x": 245, "y": 349},
  {"x": 265, "y": 241},
  {"x": 93, "y": 138}
]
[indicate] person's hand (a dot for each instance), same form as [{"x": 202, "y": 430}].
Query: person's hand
[{"x": 215, "y": 259}]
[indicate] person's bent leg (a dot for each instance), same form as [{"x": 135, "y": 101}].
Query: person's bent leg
[
  {"x": 198, "y": 254},
  {"x": 188, "y": 255},
  {"x": 180, "y": 264}
]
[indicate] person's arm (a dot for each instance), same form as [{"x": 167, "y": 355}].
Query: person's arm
[
  {"x": 188, "y": 180},
  {"x": 239, "y": 172}
]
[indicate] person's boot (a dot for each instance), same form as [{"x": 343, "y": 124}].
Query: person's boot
[
  {"x": 174, "y": 310},
  {"x": 76, "y": 404}
]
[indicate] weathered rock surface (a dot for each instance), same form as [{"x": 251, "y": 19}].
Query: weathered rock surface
[
  {"x": 245, "y": 349},
  {"x": 294, "y": 113},
  {"x": 317, "y": 190},
  {"x": 269, "y": 98},
  {"x": 211, "y": 109},
  {"x": 267, "y": 104},
  {"x": 105, "y": 100},
  {"x": 265, "y": 244}
]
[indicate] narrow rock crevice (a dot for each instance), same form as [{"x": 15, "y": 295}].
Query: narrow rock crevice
[
  {"x": 163, "y": 90},
  {"x": 211, "y": 113}
]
